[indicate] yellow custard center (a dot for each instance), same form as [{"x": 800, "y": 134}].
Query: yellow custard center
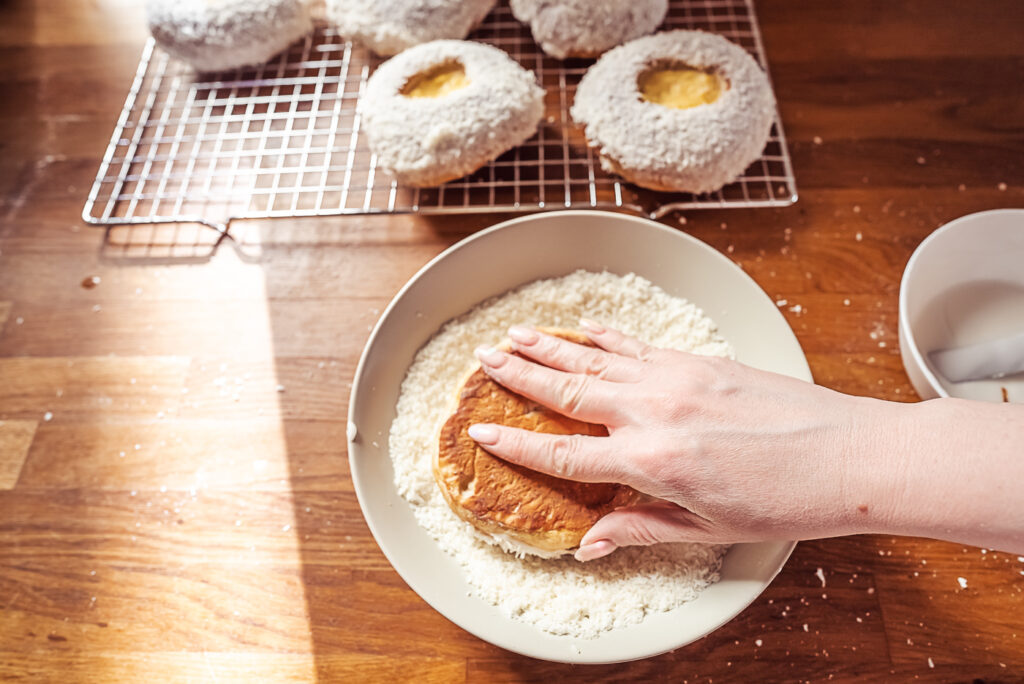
[
  {"x": 680, "y": 87},
  {"x": 437, "y": 82}
]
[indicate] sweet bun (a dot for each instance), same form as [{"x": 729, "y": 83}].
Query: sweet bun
[
  {"x": 676, "y": 111},
  {"x": 586, "y": 28},
  {"x": 441, "y": 110},
  {"x": 521, "y": 510},
  {"x": 389, "y": 26},
  {"x": 214, "y": 35}
]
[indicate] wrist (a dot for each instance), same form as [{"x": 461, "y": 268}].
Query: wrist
[
  {"x": 883, "y": 467},
  {"x": 850, "y": 486},
  {"x": 875, "y": 475}
]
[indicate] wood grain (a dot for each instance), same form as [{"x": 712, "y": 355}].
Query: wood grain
[
  {"x": 15, "y": 439},
  {"x": 104, "y": 388},
  {"x": 268, "y": 454},
  {"x": 175, "y": 498}
]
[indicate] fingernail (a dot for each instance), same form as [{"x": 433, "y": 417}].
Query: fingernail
[
  {"x": 489, "y": 356},
  {"x": 591, "y": 327},
  {"x": 523, "y": 335},
  {"x": 598, "y": 549},
  {"x": 483, "y": 434}
]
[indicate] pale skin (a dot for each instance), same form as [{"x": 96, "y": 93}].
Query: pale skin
[{"x": 734, "y": 454}]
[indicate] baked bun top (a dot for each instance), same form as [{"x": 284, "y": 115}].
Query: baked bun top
[
  {"x": 537, "y": 513},
  {"x": 214, "y": 35},
  {"x": 425, "y": 141},
  {"x": 694, "y": 149},
  {"x": 586, "y": 28},
  {"x": 389, "y": 26}
]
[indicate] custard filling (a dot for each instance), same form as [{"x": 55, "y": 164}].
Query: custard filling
[
  {"x": 680, "y": 87},
  {"x": 437, "y": 82}
]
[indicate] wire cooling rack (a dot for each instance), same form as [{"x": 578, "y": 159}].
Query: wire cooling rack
[{"x": 284, "y": 139}]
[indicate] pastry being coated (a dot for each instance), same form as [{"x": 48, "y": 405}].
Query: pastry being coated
[
  {"x": 214, "y": 35},
  {"x": 586, "y": 28},
  {"x": 441, "y": 110},
  {"x": 676, "y": 111},
  {"x": 389, "y": 26},
  {"x": 523, "y": 510}
]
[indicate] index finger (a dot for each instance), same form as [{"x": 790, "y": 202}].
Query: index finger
[{"x": 583, "y": 458}]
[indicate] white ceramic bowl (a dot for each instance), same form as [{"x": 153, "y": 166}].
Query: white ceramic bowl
[
  {"x": 494, "y": 261},
  {"x": 964, "y": 284}
]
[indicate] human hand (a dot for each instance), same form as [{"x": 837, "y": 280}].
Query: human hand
[{"x": 731, "y": 453}]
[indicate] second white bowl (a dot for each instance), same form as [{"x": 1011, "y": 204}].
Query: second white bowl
[{"x": 963, "y": 285}]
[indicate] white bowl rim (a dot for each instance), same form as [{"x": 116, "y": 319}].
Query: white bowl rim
[
  {"x": 908, "y": 273},
  {"x": 361, "y": 494}
]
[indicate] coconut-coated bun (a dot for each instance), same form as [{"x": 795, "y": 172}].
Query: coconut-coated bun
[
  {"x": 693, "y": 150},
  {"x": 389, "y": 26},
  {"x": 213, "y": 35},
  {"x": 426, "y": 141},
  {"x": 587, "y": 28}
]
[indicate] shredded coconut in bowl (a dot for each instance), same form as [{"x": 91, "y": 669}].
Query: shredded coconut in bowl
[{"x": 560, "y": 596}]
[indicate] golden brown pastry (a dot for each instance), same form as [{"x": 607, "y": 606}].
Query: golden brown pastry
[{"x": 525, "y": 511}]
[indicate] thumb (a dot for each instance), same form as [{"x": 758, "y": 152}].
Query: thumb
[{"x": 643, "y": 525}]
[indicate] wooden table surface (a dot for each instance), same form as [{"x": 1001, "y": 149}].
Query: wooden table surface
[{"x": 167, "y": 514}]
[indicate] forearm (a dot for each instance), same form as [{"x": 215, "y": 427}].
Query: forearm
[{"x": 948, "y": 469}]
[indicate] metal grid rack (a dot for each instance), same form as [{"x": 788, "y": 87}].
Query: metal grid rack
[{"x": 283, "y": 139}]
